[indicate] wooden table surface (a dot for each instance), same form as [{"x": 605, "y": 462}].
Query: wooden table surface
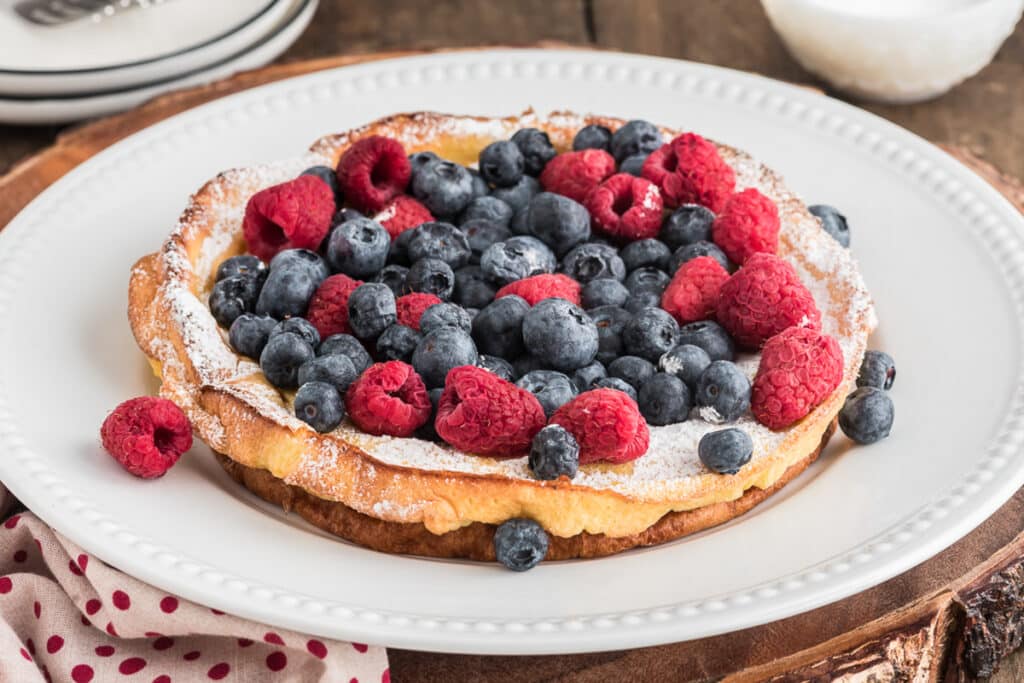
[{"x": 979, "y": 116}]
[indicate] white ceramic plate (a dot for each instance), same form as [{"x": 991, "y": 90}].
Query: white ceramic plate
[
  {"x": 941, "y": 250},
  {"x": 248, "y": 50}
]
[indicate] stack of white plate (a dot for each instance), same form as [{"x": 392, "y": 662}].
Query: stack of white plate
[{"x": 86, "y": 68}]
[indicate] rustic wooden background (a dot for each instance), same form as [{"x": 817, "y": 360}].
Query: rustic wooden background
[{"x": 981, "y": 578}]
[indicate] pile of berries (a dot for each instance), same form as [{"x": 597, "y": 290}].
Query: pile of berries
[{"x": 546, "y": 304}]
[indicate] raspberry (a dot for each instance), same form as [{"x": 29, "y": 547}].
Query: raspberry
[
  {"x": 607, "y": 425},
  {"x": 410, "y": 307},
  {"x": 372, "y": 171},
  {"x": 388, "y": 398},
  {"x": 545, "y": 286},
  {"x": 799, "y": 368},
  {"x": 481, "y": 413},
  {"x": 749, "y": 224},
  {"x": 693, "y": 293},
  {"x": 625, "y": 206},
  {"x": 403, "y": 213},
  {"x": 763, "y": 298},
  {"x": 146, "y": 435},
  {"x": 295, "y": 214},
  {"x": 328, "y": 308},
  {"x": 574, "y": 174},
  {"x": 689, "y": 170}
]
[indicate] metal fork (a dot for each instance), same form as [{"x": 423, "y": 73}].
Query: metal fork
[{"x": 58, "y": 12}]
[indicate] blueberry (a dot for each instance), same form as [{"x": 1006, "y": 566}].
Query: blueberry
[
  {"x": 489, "y": 208},
  {"x": 445, "y": 315},
  {"x": 472, "y": 288},
  {"x": 664, "y": 399},
  {"x": 692, "y": 251},
  {"x": 499, "y": 366},
  {"x": 723, "y": 392},
  {"x": 585, "y": 377},
  {"x": 833, "y": 222},
  {"x": 335, "y": 369},
  {"x": 519, "y": 195},
  {"x": 593, "y": 136},
  {"x": 650, "y": 334},
  {"x": 437, "y": 240},
  {"x": 536, "y": 148},
  {"x": 643, "y": 299},
  {"x": 319, "y": 405},
  {"x": 552, "y": 389},
  {"x": 527, "y": 363},
  {"x": 609, "y": 320},
  {"x": 635, "y": 137},
  {"x": 326, "y": 174},
  {"x": 558, "y": 221},
  {"x": 688, "y": 224},
  {"x": 710, "y": 336},
  {"x": 348, "y": 346},
  {"x": 432, "y": 276},
  {"x": 878, "y": 370},
  {"x": 687, "y": 362},
  {"x": 239, "y": 265},
  {"x": 398, "y": 252},
  {"x": 286, "y": 293},
  {"x": 249, "y": 333},
  {"x": 648, "y": 253},
  {"x": 617, "y": 384},
  {"x": 345, "y": 214},
  {"x": 520, "y": 225},
  {"x": 592, "y": 260},
  {"x": 867, "y": 415},
  {"x": 520, "y": 544},
  {"x": 561, "y": 333},
  {"x": 554, "y": 453},
  {"x": 501, "y": 163},
  {"x": 397, "y": 342},
  {"x": 420, "y": 160},
  {"x": 633, "y": 165},
  {"x": 358, "y": 248},
  {"x": 440, "y": 351},
  {"x": 726, "y": 450},
  {"x": 235, "y": 295},
  {"x": 516, "y": 258},
  {"x": 303, "y": 259},
  {"x": 498, "y": 327},
  {"x": 480, "y": 186},
  {"x": 282, "y": 357},
  {"x": 481, "y": 234},
  {"x": 604, "y": 291},
  {"x": 394, "y": 277},
  {"x": 427, "y": 430},
  {"x": 371, "y": 308},
  {"x": 647, "y": 279},
  {"x": 632, "y": 369},
  {"x": 445, "y": 188},
  {"x": 299, "y": 326}
]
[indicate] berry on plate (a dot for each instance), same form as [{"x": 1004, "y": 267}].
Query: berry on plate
[
  {"x": 146, "y": 435},
  {"x": 799, "y": 368},
  {"x": 520, "y": 544},
  {"x": 867, "y": 415}
]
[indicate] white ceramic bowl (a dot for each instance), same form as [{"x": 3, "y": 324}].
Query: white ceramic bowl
[{"x": 893, "y": 50}]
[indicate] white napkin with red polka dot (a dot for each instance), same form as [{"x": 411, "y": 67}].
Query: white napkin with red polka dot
[{"x": 66, "y": 616}]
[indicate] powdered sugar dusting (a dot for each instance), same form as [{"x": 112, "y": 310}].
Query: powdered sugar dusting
[{"x": 670, "y": 467}]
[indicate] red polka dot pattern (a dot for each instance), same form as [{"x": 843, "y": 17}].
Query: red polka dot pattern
[
  {"x": 74, "y": 568},
  {"x": 386, "y": 676},
  {"x": 121, "y": 600},
  {"x": 104, "y": 650},
  {"x": 244, "y": 642},
  {"x": 132, "y": 665},
  {"x": 168, "y": 604},
  {"x": 191, "y": 656},
  {"x": 273, "y": 638},
  {"x": 163, "y": 643},
  {"x": 25, "y": 654},
  {"x": 12, "y": 521},
  {"x": 162, "y": 678},
  {"x": 110, "y": 628},
  {"x": 82, "y": 673},
  {"x": 360, "y": 647},
  {"x": 219, "y": 671},
  {"x": 316, "y": 648},
  {"x": 20, "y": 556},
  {"x": 92, "y": 606},
  {"x": 276, "y": 661},
  {"x": 6, "y": 584},
  {"x": 37, "y": 609},
  {"x": 54, "y": 644}
]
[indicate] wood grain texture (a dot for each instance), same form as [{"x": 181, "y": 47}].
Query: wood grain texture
[{"x": 951, "y": 618}]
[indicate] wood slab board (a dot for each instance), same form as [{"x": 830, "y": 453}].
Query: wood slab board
[{"x": 952, "y": 618}]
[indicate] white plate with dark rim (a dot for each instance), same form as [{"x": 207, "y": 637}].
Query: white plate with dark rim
[{"x": 941, "y": 250}]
